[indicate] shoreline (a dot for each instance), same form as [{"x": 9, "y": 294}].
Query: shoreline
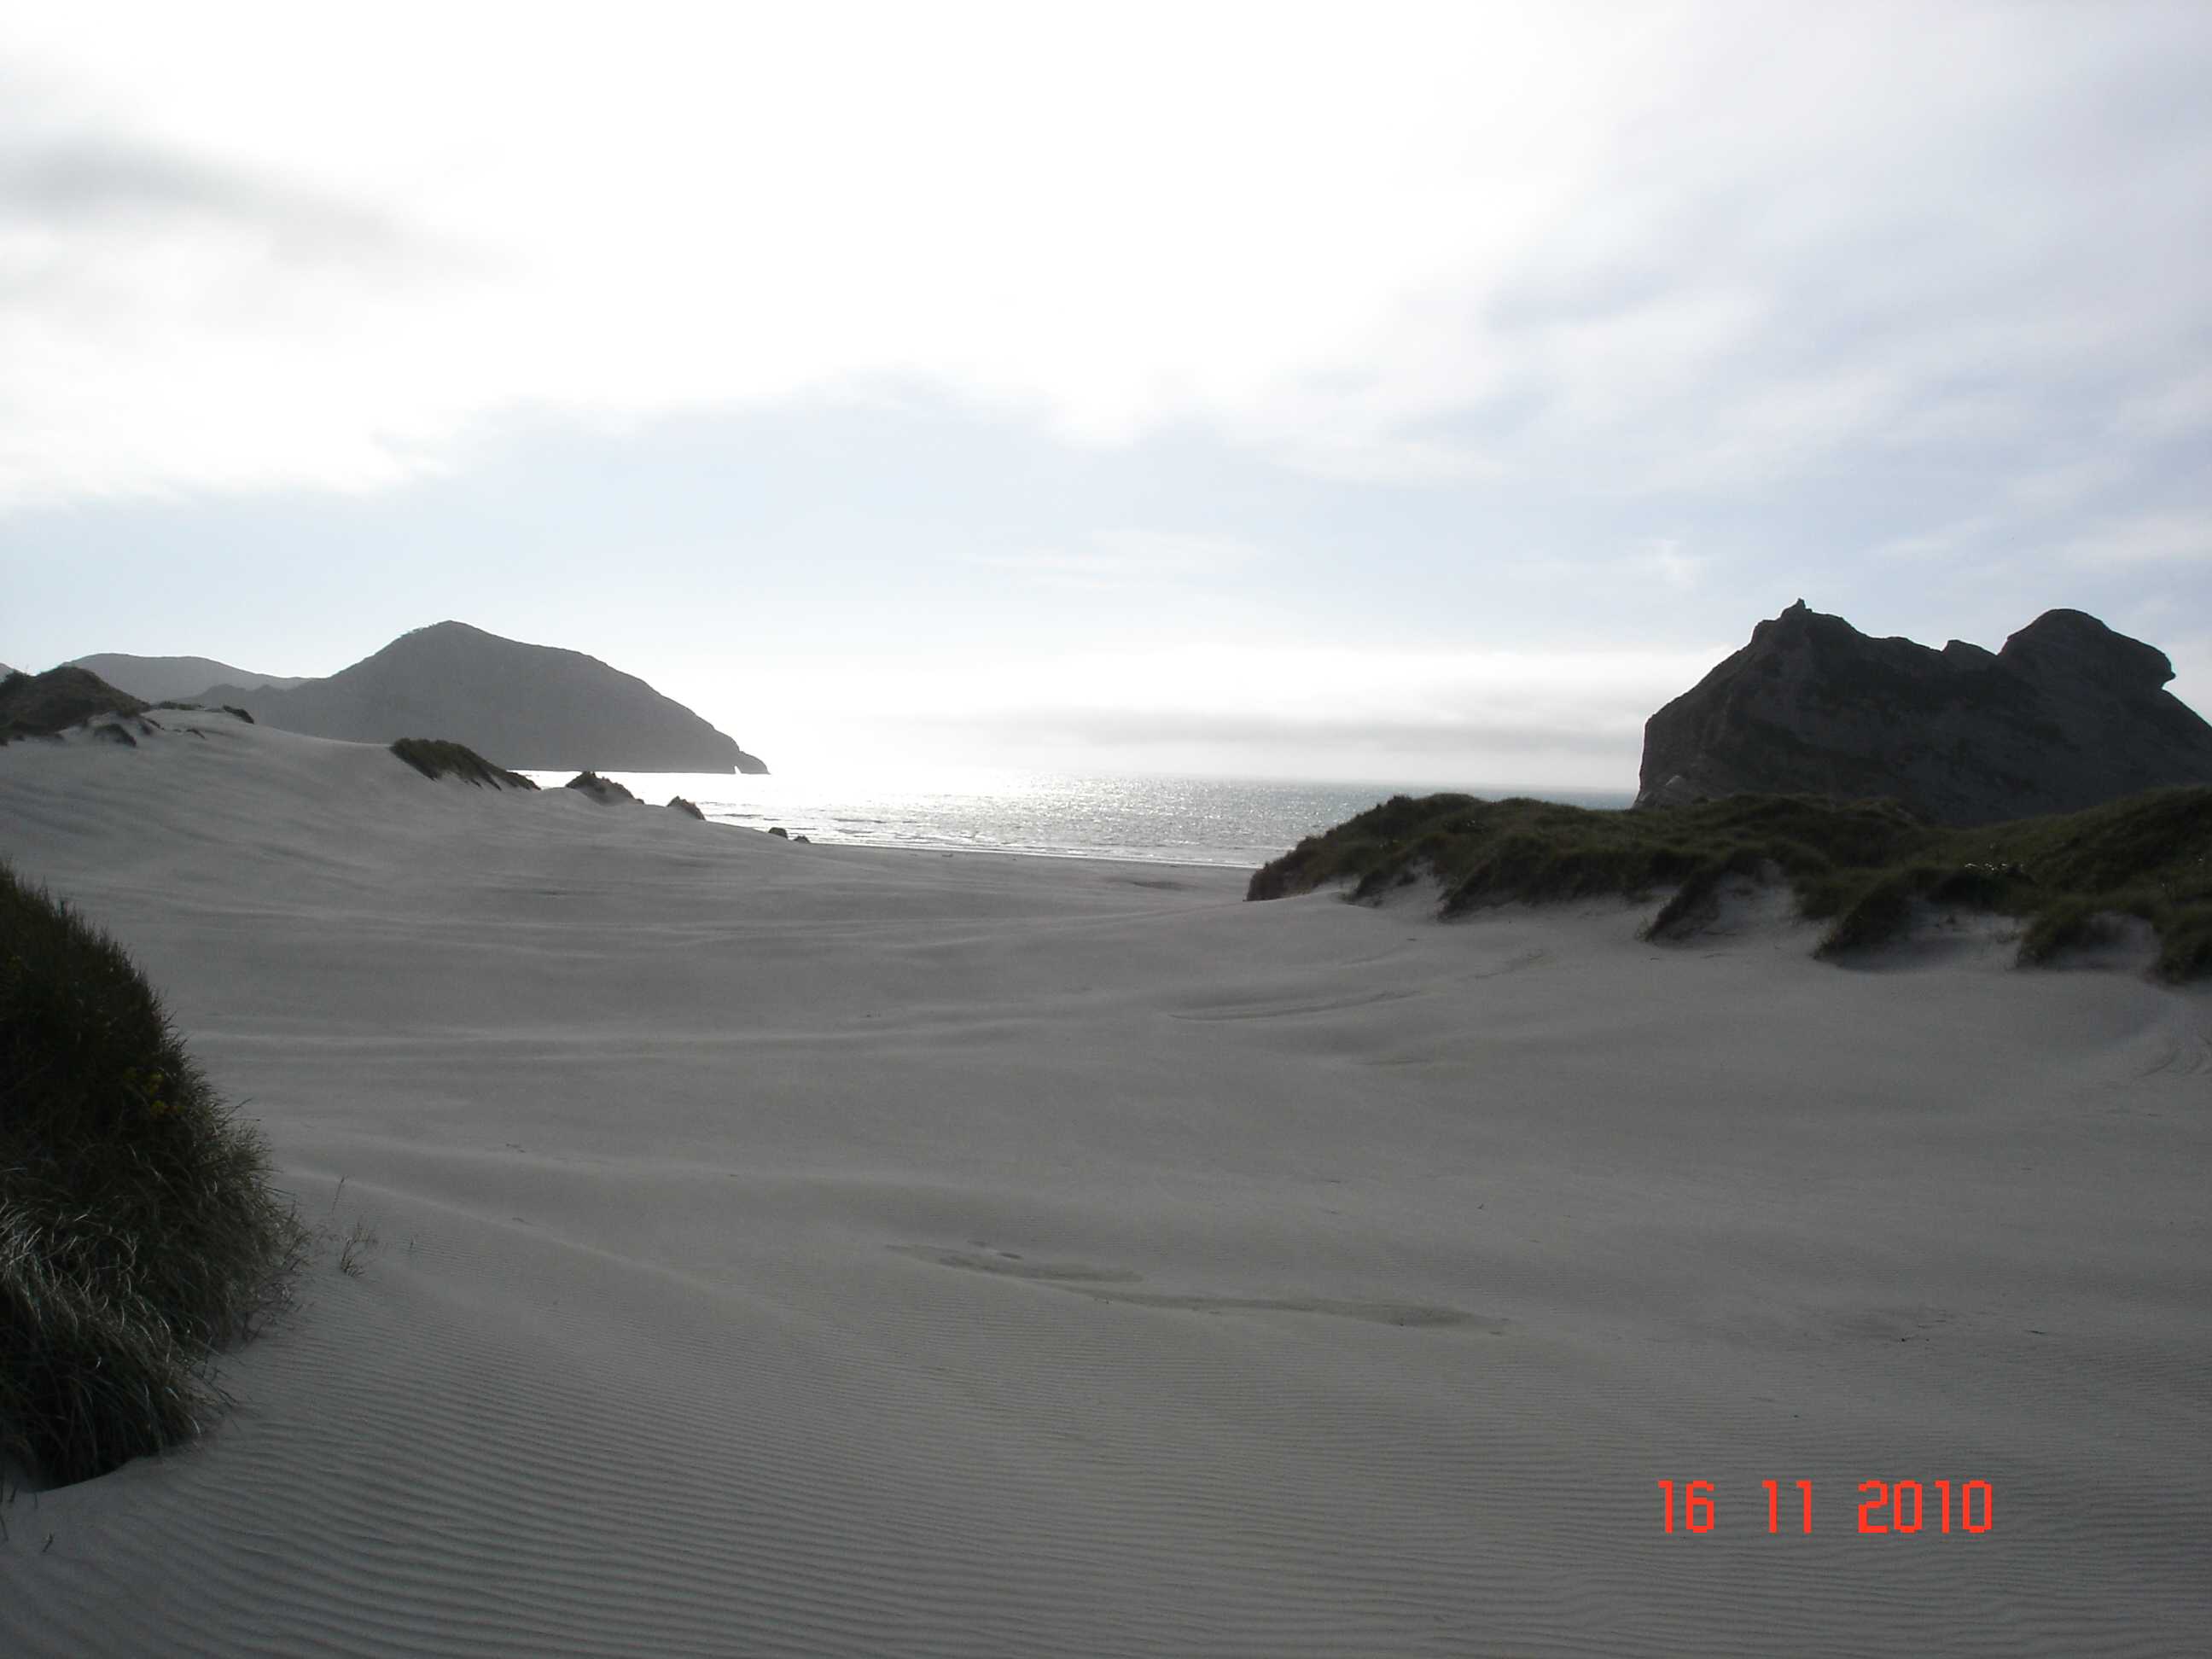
[{"x": 1179, "y": 820}]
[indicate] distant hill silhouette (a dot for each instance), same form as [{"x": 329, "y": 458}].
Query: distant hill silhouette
[
  {"x": 159, "y": 679},
  {"x": 2068, "y": 715},
  {"x": 534, "y": 708}
]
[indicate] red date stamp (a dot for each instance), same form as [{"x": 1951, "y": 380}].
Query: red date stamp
[{"x": 1889, "y": 1506}]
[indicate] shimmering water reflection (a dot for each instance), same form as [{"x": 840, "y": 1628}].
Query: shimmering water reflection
[{"x": 1235, "y": 822}]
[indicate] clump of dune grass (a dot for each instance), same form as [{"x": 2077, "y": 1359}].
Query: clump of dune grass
[
  {"x": 359, "y": 1245},
  {"x": 688, "y": 808},
  {"x": 1697, "y": 900},
  {"x": 2061, "y": 927},
  {"x": 435, "y": 757},
  {"x": 605, "y": 791},
  {"x": 42, "y": 705},
  {"x": 231, "y": 709},
  {"x": 1865, "y": 867},
  {"x": 1879, "y": 912},
  {"x": 139, "y": 1233},
  {"x": 2185, "y": 940}
]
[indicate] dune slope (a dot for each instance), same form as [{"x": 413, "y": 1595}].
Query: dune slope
[{"x": 787, "y": 1249}]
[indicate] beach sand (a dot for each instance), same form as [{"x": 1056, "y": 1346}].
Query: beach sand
[{"x": 804, "y": 1251}]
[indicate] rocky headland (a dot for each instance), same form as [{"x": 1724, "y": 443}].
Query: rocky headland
[
  {"x": 2068, "y": 715},
  {"x": 533, "y": 707}
]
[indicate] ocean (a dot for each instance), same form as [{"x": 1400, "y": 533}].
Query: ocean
[{"x": 1234, "y": 821}]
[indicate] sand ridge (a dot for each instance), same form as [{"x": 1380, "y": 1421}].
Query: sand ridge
[{"x": 815, "y": 1251}]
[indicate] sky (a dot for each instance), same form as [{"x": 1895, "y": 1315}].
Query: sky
[{"x": 1378, "y": 392}]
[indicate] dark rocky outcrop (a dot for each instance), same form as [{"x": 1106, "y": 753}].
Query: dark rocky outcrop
[
  {"x": 159, "y": 679},
  {"x": 605, "y": 791},
  {"x": 532, "y": 707},
  {"x": 40, "y": 705},
  {"x": 2068, "y": 715}
]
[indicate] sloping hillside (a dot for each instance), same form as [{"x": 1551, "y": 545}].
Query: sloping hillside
[
  {"x": 158, "y": 680},
  {"x": 520, "y": 706}
]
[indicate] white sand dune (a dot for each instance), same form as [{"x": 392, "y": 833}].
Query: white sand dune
[{"x": 811, "y": 1250}]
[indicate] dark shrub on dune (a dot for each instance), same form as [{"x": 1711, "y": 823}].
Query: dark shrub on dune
[
  {"x": 1880, "y": 912},
  {"x": 1868, "y": 867},
  {"x": 434, "y": 758},
  {"x": 605, "y": 791},
  {"x": 231, "y": 709},
  {"x": 688, "y": 808},
  {"x": 138, "y": 1231},
  {"x": 2063, "y": 927},
  {"x": 40, "y": 705}
]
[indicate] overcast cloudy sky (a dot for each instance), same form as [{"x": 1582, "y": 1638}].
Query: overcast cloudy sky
[{"x": 1355, "y": 391}]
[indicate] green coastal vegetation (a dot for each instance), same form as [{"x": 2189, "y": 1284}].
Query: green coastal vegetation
[
  {"x": 231, "y": 709},
  {"x": 41, "y": 705},
  {"x": 435, "y": 757},
  {"x": 139, "y": 1233},
  {"x": 1865, "y": 867}
]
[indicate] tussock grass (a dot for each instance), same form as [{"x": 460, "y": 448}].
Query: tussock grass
[
  {"x": 2184, "y": 940},
  {"x": 359, "y": 1245},
  {"x": 605, "y": 791},
  {"x": 688, "y": 808},
  {"x": 231, "y": 709},
  {"x": 1697, "y": 900},
  {"x": 139, "y": 1231},
  {"x": 435, "y": 757},
  {"x": 1863, "y": 866},
  {"x": 1880, "y": 911},
  {"x": 2075, "y": 921},
  {"x": 41, "y": 705}
]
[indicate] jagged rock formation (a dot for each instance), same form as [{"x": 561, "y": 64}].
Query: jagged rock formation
[
  {"x": 2069, "y": 714},
  {"x": 163, "y": 679},
  {"x": 40, "y": 705},
  {"x": 528, "y": 706}
]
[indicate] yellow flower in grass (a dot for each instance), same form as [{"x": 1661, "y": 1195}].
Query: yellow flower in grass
[{"x": 147, "y": 1087}]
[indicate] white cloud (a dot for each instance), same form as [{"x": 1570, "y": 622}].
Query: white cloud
[{"x": 1693, "y": 246}]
